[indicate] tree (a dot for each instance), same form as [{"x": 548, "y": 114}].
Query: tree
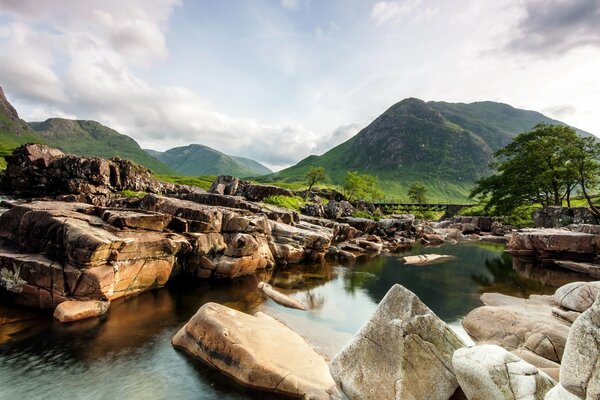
[
  {"x": 417, "y": 193},
  {"x": 361, "y": 186},
  {"x": 314, "y": 176},
  {"x": 542, "y": 166}
]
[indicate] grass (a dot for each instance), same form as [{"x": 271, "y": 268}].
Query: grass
[
  {"x": 133, "y": 194},
  {"x": 290, "y": 202},
  {"x": 202, "y": 182}
]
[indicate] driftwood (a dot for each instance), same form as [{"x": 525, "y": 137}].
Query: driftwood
[
  {"x": 281, "y": 298},
  {"x": 423, "y": 259}
]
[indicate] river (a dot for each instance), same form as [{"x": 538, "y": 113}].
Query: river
[{"x": 127, "y": 354}]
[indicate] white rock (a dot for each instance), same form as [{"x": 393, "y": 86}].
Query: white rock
[
  {"x": 580, "y": 367},
  {"x": 560, "y": 393},
  {"x": 403, "y": 352},
  {"x": 489, "y": 372},
  {"x": 577, "y": 296}
]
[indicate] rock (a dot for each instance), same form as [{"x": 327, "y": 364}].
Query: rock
[
  {"x": 364, "y": 225},
  {"x": 256, "y": 351},
  {"x": 404, "y": 351},
  {"x": 83, "y": 257},
  {"x": 489, "y": 372},
  {"x": 577, "y": 296},
  {"x": 228, "y": 185},
  {"x": 293, "y": 244},
  {"x": 344, "y": 232},
  {"x": 37, "y": 168},
  {"x": 313, "y": 210},
  {"x": 516, "y": 324},
  {"x": 592, "y": 270},
  {"x": 580, "y": 368},
  {"x": 560, "y": 393},
  {"x": 70, "y": 311},
  {"x": 554, "y": 243},
  {"x": 281, "y": 298},
  {"x": 423, "y": 259},
  {"x": 138, "y": 220},
  {"x": 557, "y": 217}
]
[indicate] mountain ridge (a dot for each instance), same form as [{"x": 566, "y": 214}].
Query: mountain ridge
[
  {"x": 198, "y": 160},
  {"x": 446, "y": 146}
]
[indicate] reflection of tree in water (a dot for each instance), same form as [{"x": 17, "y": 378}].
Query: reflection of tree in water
[
  {"x": 358, "y": 277},
  {"x": 504, "y": 279},
  {"x": 314, "y": 301}
]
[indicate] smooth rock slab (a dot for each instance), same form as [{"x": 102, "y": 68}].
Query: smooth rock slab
[
  {"x": 519, "y": 324},
  {"x": 580, "y": 368},
  {"x": 70, "y": 311},
  {"x": 577, "y": 296},
  {"x": 403, "y": 352},
  {"x": 488, "y": 372},
  {"x": 257, "y": 351}
]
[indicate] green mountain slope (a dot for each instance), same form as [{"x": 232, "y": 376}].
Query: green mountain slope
[
  {"x": 13, "y": 130},
  {"x": 90, "y": 138},
  {"x": 195, "y": 160},
  {"x": 443, "y": 145},
  {"x": 496, "y": 123}
]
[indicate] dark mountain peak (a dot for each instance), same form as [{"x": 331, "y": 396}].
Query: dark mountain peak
[
  {"x": 413, "y": 108},
  {"x": 7, "y": 107}
]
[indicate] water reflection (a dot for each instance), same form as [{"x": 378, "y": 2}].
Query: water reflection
[{"x": 127, "y": 352}]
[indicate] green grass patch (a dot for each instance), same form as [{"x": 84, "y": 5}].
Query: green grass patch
[
  {"x": 133, "y": 194},
  {"x": 290, "y": 202},
  {"x": 202, "y": 182},
  {"x": 366, "y": 215}
]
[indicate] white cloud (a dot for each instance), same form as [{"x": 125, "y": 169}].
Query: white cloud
[{"x": 401, "y": 10}]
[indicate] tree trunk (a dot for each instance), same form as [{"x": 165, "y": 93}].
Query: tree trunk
[{"x": 595, "y": 210}]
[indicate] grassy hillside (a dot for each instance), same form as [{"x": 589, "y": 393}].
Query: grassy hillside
[
  {"x": 13, "y": 130},
  {"x": 90, "y": 138},
  {"x": 445, "y": 146},
  {"x": 495, "y": 123},
  {"x": 198, "y": 160}
]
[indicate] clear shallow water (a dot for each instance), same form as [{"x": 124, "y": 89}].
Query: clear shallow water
[{"x": 127, "y": 353}]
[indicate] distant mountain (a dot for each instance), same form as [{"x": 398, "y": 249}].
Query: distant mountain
[
  {"x": 90, "y": 138},
  {"x": 13, "y": 130},
  {"x": 445, "y": 146},
  {"x": 196, "y": 160}
]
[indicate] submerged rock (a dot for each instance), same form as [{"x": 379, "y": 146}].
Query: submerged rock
[
  {"x": 281, "y": 298},
  {"x": 70, "y": 311},
  {"x": 424, "y": 259},
  {"x": 489, "y": 372},
  {"x": 257, "y": 351},
  {"x": 403, "y": 352}
]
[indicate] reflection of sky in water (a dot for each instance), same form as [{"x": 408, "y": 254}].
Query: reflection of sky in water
[{"x": 127, "y": 353}]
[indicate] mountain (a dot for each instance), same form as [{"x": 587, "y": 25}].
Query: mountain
[
  {"x": 197, "y": 160},
  {"x": 13, "y": 130},
  {"x": 446, "y": 146},
  {"x": 90, "y": 138}
]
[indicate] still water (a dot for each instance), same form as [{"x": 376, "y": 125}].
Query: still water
[{"x": 127, "y": 354}]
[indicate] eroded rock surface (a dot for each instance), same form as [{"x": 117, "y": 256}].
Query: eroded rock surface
[
  {"x": 580, "y": 368},
  {"x": 489, "y": 372},
  {"x": 524, "y": 325},
  {"x": 403, "y": 352},
  {"x": 257, "y": 351}
]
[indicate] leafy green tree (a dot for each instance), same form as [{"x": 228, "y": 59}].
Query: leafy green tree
[
  {"x": 362, "y": 186},
  {"x": 417, "y": 193},
  {"x": 542, "y": 166},
  {"x": 314, "y": 176}
]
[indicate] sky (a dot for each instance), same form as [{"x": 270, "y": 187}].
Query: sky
[{"x": 278, "y": 80}]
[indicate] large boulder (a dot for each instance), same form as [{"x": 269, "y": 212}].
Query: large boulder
[
  {"x": 577, "y": 296},
  {"x": 37, "y": 168},
  {"x": 489, "y": 372},
  {"x": 554, "y": 243},
  {"x": 257, "y": 351},
  {"x": 403, "y": 352},
  {"x": 526, "y": 326},
  {"x": 580, "y": 368}
]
